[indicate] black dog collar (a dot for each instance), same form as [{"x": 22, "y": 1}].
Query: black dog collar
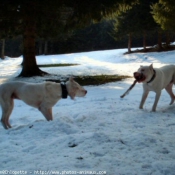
[
  {"x": 64, "y": 90},
  {"x": 154, "y": 75}
]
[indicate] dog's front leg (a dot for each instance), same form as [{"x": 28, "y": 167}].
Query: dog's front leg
[
  {"x": 156, "y": 101},
  {"x": 47, "y": 112},
  {"x": 144, "y": 96}
]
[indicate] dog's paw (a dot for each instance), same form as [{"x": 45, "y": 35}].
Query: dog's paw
[{"x": 172, "y": 101}]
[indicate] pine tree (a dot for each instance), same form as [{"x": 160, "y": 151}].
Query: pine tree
[
  {"x": 164, "y": 14},
  {"x": 135, "y": 22}
]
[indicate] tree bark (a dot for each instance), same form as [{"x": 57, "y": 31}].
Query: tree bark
[
  {"x": 3, "y": 49},
  {"x": 159, "y": 41},
  {"x": 29, "y": 65},
  {"x": 51, "y": 47},
  {"x": 167, "y": 39},
  {"x": 40, "y": 47},
  {"x": 144, "y": 41},
  {"x": 129, "y": 43},
  {"x": 45, "y": 47}
]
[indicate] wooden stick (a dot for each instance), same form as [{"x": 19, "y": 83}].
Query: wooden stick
[{"x": 129, "y": 89}]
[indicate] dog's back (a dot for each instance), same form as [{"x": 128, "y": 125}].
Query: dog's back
[
  {"x": 8, "y": 90},
  {"x": 20, "y": 90},
  {"x": 165, "y": 75},
  {"x": 169, "y": 70}
]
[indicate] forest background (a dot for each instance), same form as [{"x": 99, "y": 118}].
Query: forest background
[{"x": 77, "y": 26}]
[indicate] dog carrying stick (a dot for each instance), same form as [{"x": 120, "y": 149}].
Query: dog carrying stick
[{"x": 129, "y": 89}]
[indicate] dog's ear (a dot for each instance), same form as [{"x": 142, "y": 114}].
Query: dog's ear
[
  {"x": 71, "y": 79},
  {"x": 151, "y": 67}
]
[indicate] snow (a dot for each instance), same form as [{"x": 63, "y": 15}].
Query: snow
[{"x": 98, "y": 134}]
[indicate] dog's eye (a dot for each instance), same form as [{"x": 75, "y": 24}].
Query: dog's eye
[{"x": 142, "y": 70}]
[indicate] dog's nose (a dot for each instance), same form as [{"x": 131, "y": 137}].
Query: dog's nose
[
  {"x": 85, "y": 92},
  {"x": 136, "y": 74}
]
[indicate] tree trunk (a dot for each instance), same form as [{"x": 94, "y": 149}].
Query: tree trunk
[
  {"x": 159, "y": 41},
  {"x": 129, "y": 43},
  {"x": 144, "y": 41},
  {"x": 51, "y": 48},
  {"x": 167, "y": 39},
  {"x": 3, "y": 49},
  {"x": 30, "y": 67},
  {"x": 45, "y": 47},
  {"x": 40, "y": 47}
]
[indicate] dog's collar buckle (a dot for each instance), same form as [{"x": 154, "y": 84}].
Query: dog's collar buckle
[
  {"x": 64, "y": 90},
  {"x": 154, "y": 75}
]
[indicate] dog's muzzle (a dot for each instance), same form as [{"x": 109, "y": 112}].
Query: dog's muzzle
[{"x": 139, "y": 77}]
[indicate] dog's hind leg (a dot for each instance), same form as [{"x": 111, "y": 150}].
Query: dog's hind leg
[
  {"x": 47, "y": 112},
  {"x": 6, "y": 111},
  {"x": 168, "y": 88}
]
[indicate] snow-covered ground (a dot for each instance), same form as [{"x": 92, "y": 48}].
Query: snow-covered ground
[{"x": 98, "y": 134}]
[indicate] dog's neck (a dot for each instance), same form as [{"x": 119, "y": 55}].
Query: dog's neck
[
  {"x": 64, "y": 90},
  {"x": 152, "y": 78}
]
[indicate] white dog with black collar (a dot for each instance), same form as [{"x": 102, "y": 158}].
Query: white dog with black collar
[
  {"x": 156, "y": 79},
  {"x": 42, "y": 96}
]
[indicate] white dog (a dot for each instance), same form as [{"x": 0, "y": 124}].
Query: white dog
[
  {"x": 155, "y": 79},
  {"x": 39, "y": 95}
]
